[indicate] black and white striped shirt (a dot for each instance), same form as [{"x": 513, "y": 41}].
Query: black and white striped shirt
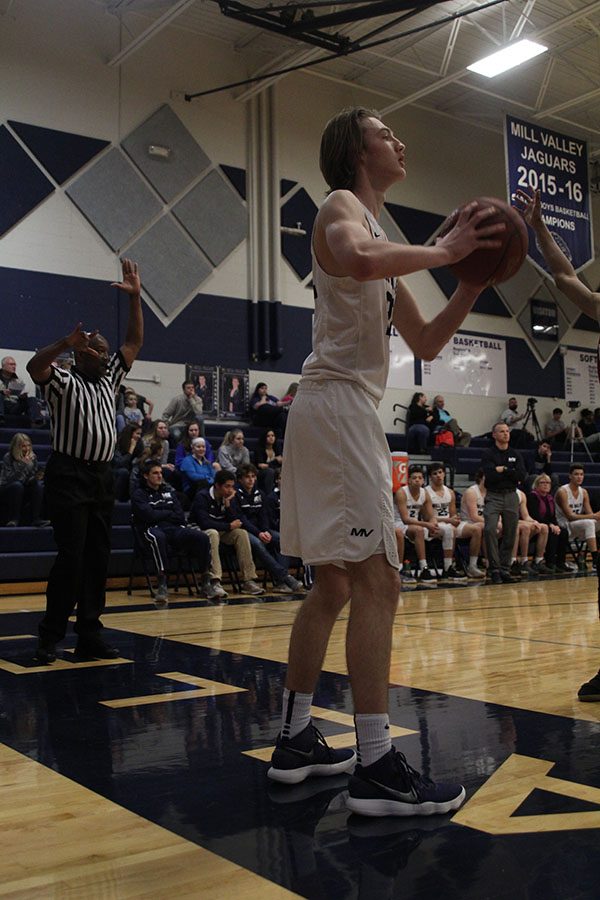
[{"x": 82, "y": 412}]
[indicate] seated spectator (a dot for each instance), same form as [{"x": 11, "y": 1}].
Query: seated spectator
[
  {"x": 131, "y": 413},
  {"x": 129, "y": 447},
  {"x": 21, "y": 483},
  {"x": 443, "y": 501},
  {"x": 288, "y": 398},
  {"x": 266, "y": 410},
  {"x": 444, "y": 421},
  {"x": 185, "y": 445},
  {"x": 267, "y": 459},
  {"x": 161, "y": 522},
  {"x": 145, "y": 406},
  {"x": 420, "y": 418},
  {"x": 541, "y": 463},
  {"x": 527, "y": 529},
  {"x": 416, "y": 513},
  {"x": 264, "y": 542},
  {"x": 155, "y": 452},
  {"x": 216, "y": 511},
  {"x": 186, "y": 407},
  {"x": 14, "y": 400},
  {"x": 556, "y": 431},
  {"x": 443, "y": 505},
  {"x": 511, "y": 415},
  {"x": 541, "y": 506},
  {"x": 159, "y": 434},
  {"x": 273, "y": 504},
  {"x": 574, "y": 512},
  {"x": 588, "y": 430},
  {"x": 232, "y": 453},
  {"x": 196, "y": 471}
]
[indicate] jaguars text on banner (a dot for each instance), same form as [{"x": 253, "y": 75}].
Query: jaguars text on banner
[{"x": 557, "y": 165}]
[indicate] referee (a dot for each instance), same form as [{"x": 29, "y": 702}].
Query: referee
[{"x": 78, "y": 478}]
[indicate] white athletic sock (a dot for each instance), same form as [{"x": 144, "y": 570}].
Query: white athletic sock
[
  {"x": 447, "y": 563},
  {"x": 538, "y": 560},
  {"x": 372, "y": 737},
  {"x": 400, "y": 567},
  {"x": 473, "y": 561},
  {"x": 422, "y": 564},
  {"x": 513, "y": 560},
  {"x": 295, "y": 714}
]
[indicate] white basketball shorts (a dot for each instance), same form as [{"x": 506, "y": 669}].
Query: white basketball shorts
[{"x": 336, "y": 479}]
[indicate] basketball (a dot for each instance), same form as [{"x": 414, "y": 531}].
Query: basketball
[{"x": 492, "y": 266}]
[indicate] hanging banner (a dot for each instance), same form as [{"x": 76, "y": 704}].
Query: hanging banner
[
  {"x": 557, "y": 165},
  {"x": 468, "y": 364},
  {"x": 581, "y": 377}
]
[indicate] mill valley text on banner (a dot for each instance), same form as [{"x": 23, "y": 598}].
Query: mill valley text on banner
[{"x": 557, "y": 165}]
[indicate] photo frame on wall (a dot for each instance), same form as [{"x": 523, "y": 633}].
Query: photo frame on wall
[
  {"x": 234, "y": 385},
  {"x": 206, "y": 384}
]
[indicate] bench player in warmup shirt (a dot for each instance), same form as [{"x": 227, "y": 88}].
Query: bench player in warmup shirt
[
  {"x": 415, "y": 534},
  {"x": 443, "y": 501},
  {"x": 574, "y": 512},
  {"x": 588, "y": 301},
  {"x": 339, "y": 518},
  {"x": 416, "y": 512}
]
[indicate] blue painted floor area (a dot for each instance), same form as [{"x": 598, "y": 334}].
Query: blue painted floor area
[{"x": 182, "y": 766}]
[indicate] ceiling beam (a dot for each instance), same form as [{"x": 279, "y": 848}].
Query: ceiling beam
[{"x": 150, "y": 32}]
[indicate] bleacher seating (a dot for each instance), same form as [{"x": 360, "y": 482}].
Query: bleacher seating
[{"x": 26, "y": 554}]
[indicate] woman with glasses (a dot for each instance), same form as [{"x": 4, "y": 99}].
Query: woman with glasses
[{"x": 540, "y": 504}]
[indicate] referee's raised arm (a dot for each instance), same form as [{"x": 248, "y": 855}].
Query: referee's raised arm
[{"x": 134, "y": 338}]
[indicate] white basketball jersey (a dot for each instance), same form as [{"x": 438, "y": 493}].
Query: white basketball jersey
[
  {"x": 414, "y": 506},
  {"x": 479, "y": 500},
  {"x": 440, "y": 502},
  {"x": 575, "y": 504},
  {"x": 351, "y": 327}
]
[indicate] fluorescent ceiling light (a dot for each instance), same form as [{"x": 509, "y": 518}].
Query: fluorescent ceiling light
[{"x": 507, "y": 58}]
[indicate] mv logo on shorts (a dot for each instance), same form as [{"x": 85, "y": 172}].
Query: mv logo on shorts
[{"x": 360, "y": 532}]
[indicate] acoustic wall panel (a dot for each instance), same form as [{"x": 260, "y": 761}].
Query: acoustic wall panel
[
  {"x": 171, "y": 266},
  {"x": 300, "y": 208},
  {"x": 237, "y": 177},
  {"x": 184, "y": 161},
  {"x": 114, "y": 199},
  {"x": 214, "y": 216},
  {"x": 60, "y": 152},
  {"x": 23, "y": 186}
]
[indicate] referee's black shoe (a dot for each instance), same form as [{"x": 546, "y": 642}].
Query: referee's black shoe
[
  {"x": 45, "y": 654},
  {"x": 95, "y": 648}
]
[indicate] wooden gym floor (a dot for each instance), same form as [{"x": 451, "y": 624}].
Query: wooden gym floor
[{"x": 145, "y": 777}]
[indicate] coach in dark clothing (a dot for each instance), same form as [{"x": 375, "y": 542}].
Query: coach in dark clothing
[
  {"x": 503, "y": 468},
  {"x": 78, "y": 477}
]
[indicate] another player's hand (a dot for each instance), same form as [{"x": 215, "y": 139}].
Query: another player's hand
[
  {"x": 471, "y": 233},
  {"x": 265, "y": 537},
  {"x": 131, "y": 280},
  {"x": 529, "y": 205}
]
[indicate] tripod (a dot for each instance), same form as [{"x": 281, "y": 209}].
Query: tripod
[
  {"x": 576, "y": 440},
  {"x": 530, "y": 415}
]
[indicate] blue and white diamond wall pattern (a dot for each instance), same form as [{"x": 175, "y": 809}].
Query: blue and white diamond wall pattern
[
  {"x": 166, "y": 153},
  {"x": 172, "y": 266},
  {"x": 214, "y": 216},
  {"x": 114, "y": 199},
  {"x": 23, "y": 185}
]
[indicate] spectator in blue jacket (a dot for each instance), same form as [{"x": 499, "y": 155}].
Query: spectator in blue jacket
[
  {"x": 160, "y": 521},
  {"x": 196, "y": 470},
  {"x": 264, "y": 542},
  {"x": 216, "y": 511},
  {"x": 184, "y": 447}
]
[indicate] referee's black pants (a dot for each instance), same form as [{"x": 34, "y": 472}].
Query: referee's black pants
[{"x": 79, "y": 499}]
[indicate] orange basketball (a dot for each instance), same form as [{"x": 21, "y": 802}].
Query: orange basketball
[{"x": 492, "y": 266}]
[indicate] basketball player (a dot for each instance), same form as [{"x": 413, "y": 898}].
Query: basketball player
[
  {"x": 336, "y": 480},
  {"x": 588, "y": 301}
]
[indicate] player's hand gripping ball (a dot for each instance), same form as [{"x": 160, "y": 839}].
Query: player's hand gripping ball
[{"x": 492, "y": 266}]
